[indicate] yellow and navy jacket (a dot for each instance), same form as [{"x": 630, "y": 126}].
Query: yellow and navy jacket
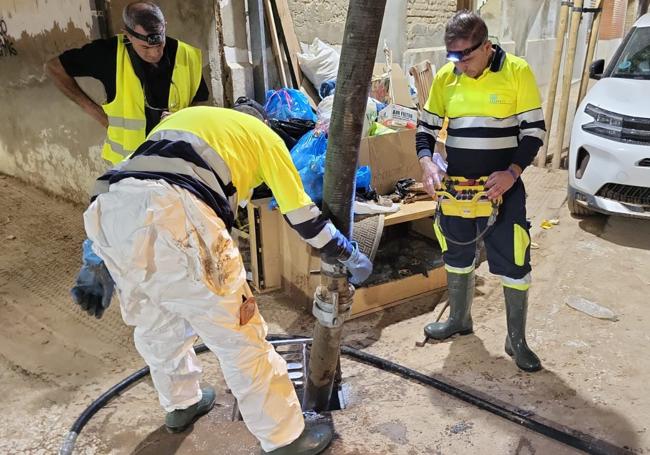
[
  {"x": 495, "y": 120},
  {"x": 220, "y": 156}
]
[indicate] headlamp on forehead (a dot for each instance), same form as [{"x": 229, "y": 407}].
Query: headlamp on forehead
[
  {"x": 152, "y": 39},
  {"x": 457, "y": 56}
]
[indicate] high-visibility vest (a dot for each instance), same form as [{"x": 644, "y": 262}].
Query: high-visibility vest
[{"x": 126, "y": 113}]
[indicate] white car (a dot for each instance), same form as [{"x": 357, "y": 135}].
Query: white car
[{"x": 609, "y": 155}]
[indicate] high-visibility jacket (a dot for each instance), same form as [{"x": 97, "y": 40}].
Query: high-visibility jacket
[
  {"x": 495, "y": 120},
  {"x": 251, "y": 153},
  {"x": 221, "y": 155},
  {"x": 126, "y": 112}
]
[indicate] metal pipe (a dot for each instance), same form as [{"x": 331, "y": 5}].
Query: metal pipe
[
  {"x": 642, "y": 8},
  {"x": 333, "y": 299},
  {"x": 566, "y": 82},
  {"x": 101, "y": 16},
  {"x": 555, "y": 74},
  {"x": 593, "y": 39},
  {"x": 258, "y": 49}
]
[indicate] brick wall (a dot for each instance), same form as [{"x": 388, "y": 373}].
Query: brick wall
[{"x": 613, "y": 21}]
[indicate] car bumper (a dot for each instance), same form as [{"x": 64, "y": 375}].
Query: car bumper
[
  {"x": 608, "y": 206},
  {"x": 610, "y": 162}
]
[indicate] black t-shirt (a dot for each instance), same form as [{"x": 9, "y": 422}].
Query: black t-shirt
[{"x": 98, "y": 59}]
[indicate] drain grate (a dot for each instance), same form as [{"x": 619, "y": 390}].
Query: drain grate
[{"x": 295, "y": 352}]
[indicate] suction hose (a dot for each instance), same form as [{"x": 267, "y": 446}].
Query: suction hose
[{"x": 573, "y": 438}]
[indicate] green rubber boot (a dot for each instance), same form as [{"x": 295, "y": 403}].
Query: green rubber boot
[
  {"x": 460, "y": 287},
  {"x": 313, "y": 440},
  {"x": 180, "y": 419},
  {"x": 516, "y": 346}
]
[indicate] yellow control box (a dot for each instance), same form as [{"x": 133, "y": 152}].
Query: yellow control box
[{"x": 465, "y": 198}]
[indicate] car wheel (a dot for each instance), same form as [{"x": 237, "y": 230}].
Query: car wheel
[{"x": 575, "y": 208}]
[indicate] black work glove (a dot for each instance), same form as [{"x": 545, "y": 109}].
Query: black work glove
[{"x": 94, "y": 286}]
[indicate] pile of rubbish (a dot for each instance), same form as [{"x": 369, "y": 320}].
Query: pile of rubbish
[{"x": 305, "y": 131}]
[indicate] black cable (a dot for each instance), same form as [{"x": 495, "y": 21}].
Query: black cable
[{"x": 580, "y": 441}]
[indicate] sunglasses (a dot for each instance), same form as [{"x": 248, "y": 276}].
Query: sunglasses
[
  {"x": 458, "y": 56},
  {"x": 173, "y": 100},
  {"x": 152, "y": 39}
]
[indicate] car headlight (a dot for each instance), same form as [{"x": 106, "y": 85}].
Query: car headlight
[
  {"x": 607, "y": 124},
  {"x": 617, "y": 127}
]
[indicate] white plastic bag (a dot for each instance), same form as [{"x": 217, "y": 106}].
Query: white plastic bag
[
  {"x": 320, "y": 62},
  {"x": 324, "y": 113},
  {"x": 591, "y": 308}
]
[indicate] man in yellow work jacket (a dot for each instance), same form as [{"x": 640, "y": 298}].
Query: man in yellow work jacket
[
  {"x": 496, "y": 127},
  {"x": 160, "y": 222},
  {"x": 144, "y": 74}
]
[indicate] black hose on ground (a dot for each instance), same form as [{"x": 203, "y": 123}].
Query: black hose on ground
[
  {"x": 580, "y": 441},
  {"x": 586, "y": 443}
]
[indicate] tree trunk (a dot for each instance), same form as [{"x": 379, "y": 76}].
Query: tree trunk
[{"x": 362, "y": 28}]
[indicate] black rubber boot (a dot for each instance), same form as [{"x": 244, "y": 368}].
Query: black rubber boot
[
  {"x": 313, "y": 439},
  {"x": 181, "y": 419},
  {"x": 516, "y": 346},
  {"x": 460, "y": 287}
]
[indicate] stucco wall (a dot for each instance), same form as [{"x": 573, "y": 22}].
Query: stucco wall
[
  {"x": 425, "y": 21},
  {"x": 421, "y": 23},
  {"x": 319, "y": 19},
  {"x": 46, "y": 139}
]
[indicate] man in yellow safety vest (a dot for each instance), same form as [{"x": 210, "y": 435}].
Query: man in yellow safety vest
[{"x": 144, "y": 73}]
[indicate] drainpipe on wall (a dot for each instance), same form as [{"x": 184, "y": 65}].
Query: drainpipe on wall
[
  {"x": 643, "y": 8},
  {"x": 259, "y": 46},
  {"x": 102, "y": 27}
]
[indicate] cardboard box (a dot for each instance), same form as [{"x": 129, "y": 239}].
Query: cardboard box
[
  {"x": 391, "y": 157},
  {"x": 380, "y": 87},
  {"x": 396, "y": 117}
]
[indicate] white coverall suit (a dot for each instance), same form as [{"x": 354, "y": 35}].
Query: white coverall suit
[{"x": 179, "y": 275}]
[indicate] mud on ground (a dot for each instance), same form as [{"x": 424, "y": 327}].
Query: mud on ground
[{"x": 54, "y": 359}]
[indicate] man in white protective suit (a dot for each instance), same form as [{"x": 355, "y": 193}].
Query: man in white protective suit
[{"x": 158, "y": 227}]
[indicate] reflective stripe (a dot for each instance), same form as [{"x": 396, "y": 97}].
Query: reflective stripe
[
  {"x": 210, "y": 155},
  {"x": 101, "y": 186},
  {"x": 323, "y": 237},
  {"x": 117, "y": 148},
  {"x": 534, "y": 132},
  {"x": 173, "y": 166},
  {"x": 517, "y": 283},
  {"x": 303, "y": 214},
  {"x": 431, "y": 119},
  {"x": 422, "y": 128},
  {"x": 483, "y": 122},
  {"x": 441, "y": 238},
  {"x": 535, "y": 115},
  {"x": 459, "y": 270},
  {"x": 521, "y": 242},
  {"x": 482, "y": 143},
  {"x": 127, "y": 124}
]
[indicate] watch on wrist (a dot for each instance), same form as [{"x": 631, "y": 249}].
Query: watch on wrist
[{"x": 513, "y": 173}]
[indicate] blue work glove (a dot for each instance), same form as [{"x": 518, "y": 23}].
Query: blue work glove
[
  {"x": 358, "y": 265},
  {"x": 94, "y": 286}
]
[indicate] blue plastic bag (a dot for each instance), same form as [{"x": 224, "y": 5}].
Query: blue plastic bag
[
  {"x": 308, "y": 155},
  {"x": 287, "y": 103}
]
